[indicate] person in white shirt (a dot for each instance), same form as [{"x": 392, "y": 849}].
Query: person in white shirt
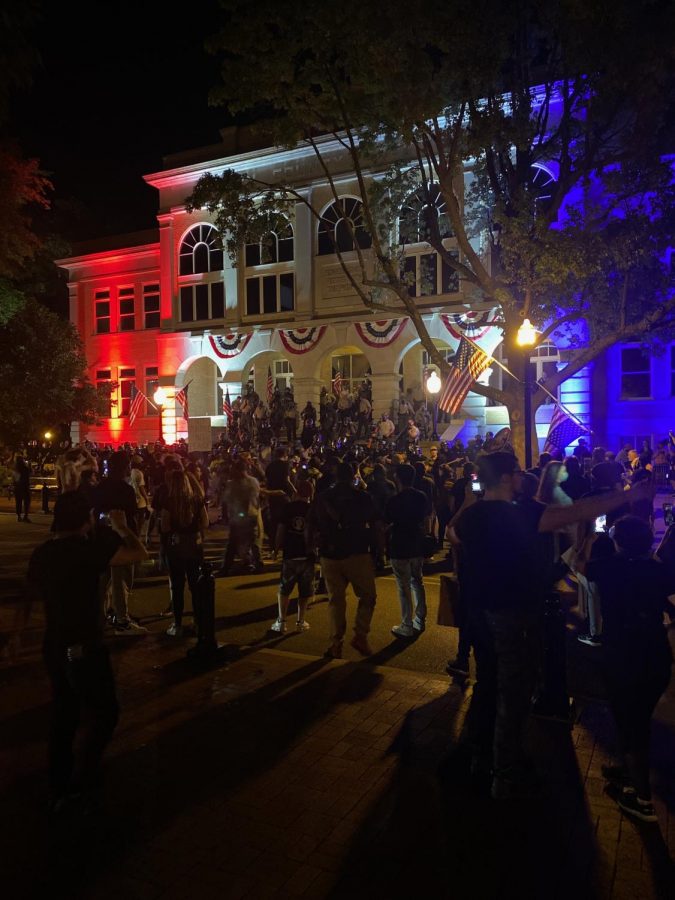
[
  {"x": 137, "y": 481},
  {"x": 385, "y": 427}
]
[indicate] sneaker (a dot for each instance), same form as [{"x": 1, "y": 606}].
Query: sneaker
[
  {"x": 279, "y": 626},
  {"x": 628, "y": 802},
  {"x": 403, "y": 631},
  {"x": 302, "y": 626},
  {"x": 458, "y": 667},
  {"x": 590, "y": 639},
  {"x": 334, "y": 651},
  {"x": 130, "y": 627},
  {"x": 175, "y": 630},
  {"x": 360, "y": 643}
]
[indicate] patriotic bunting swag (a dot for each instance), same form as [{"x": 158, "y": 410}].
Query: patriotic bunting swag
[
  {"x": 301, "y": 340},
  {"x": 229, "y": 345},
  {"x": 380, "y": 334},
  {"x": 472, "y": 324}
]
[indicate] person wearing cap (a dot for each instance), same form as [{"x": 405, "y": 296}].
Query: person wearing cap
[
  {"x": 64, "y": 575},
  {"x": 297, "y": 565}
]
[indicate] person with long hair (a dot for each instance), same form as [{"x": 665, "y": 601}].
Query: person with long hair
[{"x": 183, "y": 523}]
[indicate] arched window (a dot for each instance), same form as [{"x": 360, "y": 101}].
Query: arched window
[
  {"x": 270, "y": 280},
  {"x": 201, "y": 285},
  {"x": 421, "y": 209},
  {"x": 275, "y": 247},
  {"x": 340, "y": 225},
  {"x": 200, "y": 251}
]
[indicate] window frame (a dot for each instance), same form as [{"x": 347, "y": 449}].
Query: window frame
[
  {"x": 104, "y": 376},
  {"x": 635, "y": 372},
  {"x": 102, "y": 295},
  {"x": 359, "y": 229},
  {"x": 126, "y": 378},
  {"x": 149, "y": 293},
  {"x": 125, "y": 294}
]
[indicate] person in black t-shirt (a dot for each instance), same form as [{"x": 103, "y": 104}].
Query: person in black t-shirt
[
  {"x": 344, "y": 523},
  {"x": 297, "y": 566},
  {"x": 505, "y": 580},
  {"x": 64, "y": 574},
  {"x": 406, "y": 512},
  {"x": 635, "y": 592}
]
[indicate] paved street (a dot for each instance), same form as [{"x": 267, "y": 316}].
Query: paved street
[{"x": 277, "y": 773}]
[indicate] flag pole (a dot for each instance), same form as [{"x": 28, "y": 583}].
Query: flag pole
[
  {"x": 496, "y": 361},
  {"x": 565, "y": 409}
]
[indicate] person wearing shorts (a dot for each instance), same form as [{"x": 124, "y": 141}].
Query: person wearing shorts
[{"x": 297, "y": 565}]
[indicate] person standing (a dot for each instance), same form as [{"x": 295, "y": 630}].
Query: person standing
[
  {"x": 64, "y": 574},
  {"x": 183, "y": 523},
  {"x": 242, "y": 498},
  {"x": 406, "y": 512},
  {"x": 635, "y": 593},
  {"x": 297, "y": 566},
  {"x": 344, "y": 523},
  {"x": 21, "y": 477},
  {"x": 137, "y": 480},
  {"x": 114, "y": 492}
]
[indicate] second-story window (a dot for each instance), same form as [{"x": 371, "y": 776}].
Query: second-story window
[
  {"x": 151, "y": 305},
  {"x": 151, "y": 385},
  {"x": 270, "y": 282},
  {"x": 342, "y": 227},
  {"x": 102, "y": 310},
  {"x": 202, "y": 290},
  {"x": 125, "y": 296},
  {"x": 424, "y": 217},
  {"x": 636, "y": 374},
  {"x": 104, "y": 384}
]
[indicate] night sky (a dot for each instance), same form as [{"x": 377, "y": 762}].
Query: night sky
[{"x": 118, "y": 88}]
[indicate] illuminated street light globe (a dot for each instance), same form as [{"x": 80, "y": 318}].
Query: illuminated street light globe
[
  {"x": 159, "y": 396},
  {"x": 48, "y": 435},
  {"x": 433, "y": 383},
  {"x": 527, "y": 334}
]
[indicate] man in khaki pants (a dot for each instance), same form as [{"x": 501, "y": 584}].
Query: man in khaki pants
[{"x": 345, "y": 525}]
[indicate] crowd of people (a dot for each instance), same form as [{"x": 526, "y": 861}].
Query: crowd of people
[{"x": 335, "y": 513}]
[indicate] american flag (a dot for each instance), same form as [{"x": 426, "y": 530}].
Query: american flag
[
  {"x": 227, "y": 405},
  {"x": 562, "y": 431},
  {"x": 182, "y": 398},
  {"x": 469, "y": 362},
  {"x": 270, "y": 386},
  {"x": 337, "y": 383},
  {"x": 137, "y": 400}
]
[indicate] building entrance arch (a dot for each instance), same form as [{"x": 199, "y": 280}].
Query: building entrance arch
[{"x": 352, "y": 364}]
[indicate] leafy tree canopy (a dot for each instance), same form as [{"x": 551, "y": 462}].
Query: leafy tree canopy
[
  {"x": 576, "y": 93},
  {"x": 42, "y": 372}
]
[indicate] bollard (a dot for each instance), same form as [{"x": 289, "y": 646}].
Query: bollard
[
  {"x": 204, "y": 606},
  {"x": 553, "y": 700},
  {"x": 45, "y": 498}
]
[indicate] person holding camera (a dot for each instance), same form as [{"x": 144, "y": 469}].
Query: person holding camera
[
  {"x": 297, "y": 565},
  {"x": 505, "y": 574}
]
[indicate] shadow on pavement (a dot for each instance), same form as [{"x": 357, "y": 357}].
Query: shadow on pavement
[{"x": 198, "y": 764}]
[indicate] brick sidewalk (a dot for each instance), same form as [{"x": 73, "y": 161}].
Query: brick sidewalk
[{"x": 279, "y": 775}]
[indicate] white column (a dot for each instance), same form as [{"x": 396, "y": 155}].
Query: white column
[
  {"x": 385, "y": 390},
  {"x": 305, "y": 389},
  {"x": 304, "y": 257}
]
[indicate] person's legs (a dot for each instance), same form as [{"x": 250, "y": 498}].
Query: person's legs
[
  {"x": 96, "y": 684},
  {"x": 305, "y": 591},
  {"x": 121, "y": 583},
  {"x": 336, "y": 584},
  {"x": 479, "y": 724},
  {"x": 18, "y": 502},
  {"x": 402, "y": 574},
  {"x": 515, "y": 680},
  {"x": 192, "y": 574},
  {"x": 419, "y": 594},
  {"x": 286, "y": 585},
  {"x": 177, "y": 586},
  {"x": 360, "y": 572},
  {"x": 65, "y": 717}
]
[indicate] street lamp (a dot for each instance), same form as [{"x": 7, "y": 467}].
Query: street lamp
[
  {"x": 433, "y": 387},
  {"x": 527, "y": 337},
  {"x": 159, "y": 399}
]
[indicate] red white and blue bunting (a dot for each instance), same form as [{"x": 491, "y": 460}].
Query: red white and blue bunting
[
  {"x": 229, "y": 345},
  {"x": 474, "y": 325},
  {"x": 301, "y": 340},
  {"x": 380, "y": 334}
]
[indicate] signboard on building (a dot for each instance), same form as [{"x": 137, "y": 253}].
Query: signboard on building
[{"x": 199, "y": 433}]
